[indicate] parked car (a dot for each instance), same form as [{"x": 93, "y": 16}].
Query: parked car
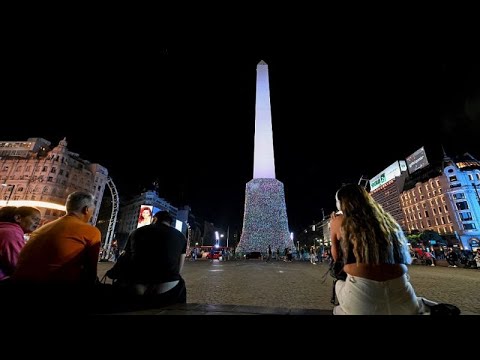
[{"x": 216, "y": 255}]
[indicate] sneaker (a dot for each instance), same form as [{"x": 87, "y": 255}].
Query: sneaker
[
  {"x": 432, "y": 265},
  {"x": 454, "y": 265}
]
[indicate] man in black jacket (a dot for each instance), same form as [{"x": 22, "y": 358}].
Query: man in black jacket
[{"x": 148, "y": 273}]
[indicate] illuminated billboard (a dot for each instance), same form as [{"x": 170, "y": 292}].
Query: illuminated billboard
[
  {"x": 388, "y": 174},
  {"x": 179, "y": 225},
  {"x": 417, "y": 160},
  {"x": 145, "y": 215}
]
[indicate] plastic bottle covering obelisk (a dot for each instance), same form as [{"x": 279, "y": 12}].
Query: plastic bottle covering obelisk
[{"x": 265, "y": 217}]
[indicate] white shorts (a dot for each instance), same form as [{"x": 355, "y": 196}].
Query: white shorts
[{"x": 360, "y": 296}]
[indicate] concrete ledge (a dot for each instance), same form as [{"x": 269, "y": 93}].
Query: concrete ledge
[{"x": 209, "y": 309}]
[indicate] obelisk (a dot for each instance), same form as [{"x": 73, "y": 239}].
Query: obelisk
[{"x": 265, "y": 219}]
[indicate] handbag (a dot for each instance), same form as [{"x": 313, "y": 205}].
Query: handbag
[{"x": 336, "y": 270}]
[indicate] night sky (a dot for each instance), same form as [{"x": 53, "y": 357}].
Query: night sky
[{"x": 339, "y": 110}]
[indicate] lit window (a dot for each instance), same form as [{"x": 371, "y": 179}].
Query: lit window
[{"x": 466, "y": 216}]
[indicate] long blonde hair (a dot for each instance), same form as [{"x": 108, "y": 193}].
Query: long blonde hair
[{"x": 368, "y": 230}]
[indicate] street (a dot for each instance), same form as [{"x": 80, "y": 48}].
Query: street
[{"x": 303, "y": 285}]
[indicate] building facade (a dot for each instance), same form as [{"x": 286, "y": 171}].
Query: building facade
[
  {"x": 462, "y": 184},
  {"x": 34, "y": 174},
  {"x": 128, "y": 218},
  {"x": 445, "y": 198},
  {"x": 425, "y": 203},
  {"x": 386, "y": 188},
  {"x": 184, "y": 215}
]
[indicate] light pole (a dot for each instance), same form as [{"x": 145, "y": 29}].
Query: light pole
[
  {"x": 228, "y": 234},
  {"x": 11, "y": 192}
]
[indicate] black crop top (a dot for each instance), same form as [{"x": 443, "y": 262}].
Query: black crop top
[{"x": 351, "y": 259}]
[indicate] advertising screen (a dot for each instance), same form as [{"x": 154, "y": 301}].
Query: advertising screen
[
  {"x": 179, "y": 225},
  {"x": 386, "y": 175},
  {"x": 145, "y": 215},
  {"x": 417, "y": 160}
]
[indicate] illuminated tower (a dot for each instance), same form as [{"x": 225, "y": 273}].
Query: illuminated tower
[{"x": 265, "y": 218}]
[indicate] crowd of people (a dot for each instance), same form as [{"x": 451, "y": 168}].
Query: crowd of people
[{"x": 58, "y": 264}]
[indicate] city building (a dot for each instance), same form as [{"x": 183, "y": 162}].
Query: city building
[
  {"x": 445, "y": 198},
  {"x": 34, "y": 174},
  {"x": 325, "y": 226},
  {"x": 386, "y": 188},
  {"x": 462, "y": 184},
  {"x": 424, "y": 202},
  {"x": 185, "y": 217},
  {"x": 131, "y": 212}
]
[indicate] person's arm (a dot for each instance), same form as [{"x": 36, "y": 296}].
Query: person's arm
[
  {"x": 93, "y": 252},
  {"x": 10, "y": 249},
  {"x": 182, "y": 256},
  {"x": 182, "y": 261},
  {"x": 335, "y": 231}
]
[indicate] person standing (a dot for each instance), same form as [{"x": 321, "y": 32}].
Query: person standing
[
  {"x": 320, "y": 252},
  {"x": 452, "y": 258},
  {"x": 375, "y": 254},
  {"x": 477, "y": 258},
  {"x": 313, "y": 255}
]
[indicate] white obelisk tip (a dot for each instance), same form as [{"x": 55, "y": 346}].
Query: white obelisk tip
[{"x": 263, "y": 159}]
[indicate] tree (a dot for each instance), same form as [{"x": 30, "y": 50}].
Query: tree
[
  {"x": 414, "y": 238},
  {"x": 430, "y": 237}
]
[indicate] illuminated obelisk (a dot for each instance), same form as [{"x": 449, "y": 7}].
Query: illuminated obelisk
[{"x": 265, "y": 217}]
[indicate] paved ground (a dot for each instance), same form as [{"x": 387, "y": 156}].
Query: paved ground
[{"x": 256, "y": 287}]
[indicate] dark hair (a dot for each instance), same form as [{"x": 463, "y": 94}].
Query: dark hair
[
  {"x": 163, "y": 216},
  {"x": 25, "y": 211},
  {"x": 7, "y": 213}
]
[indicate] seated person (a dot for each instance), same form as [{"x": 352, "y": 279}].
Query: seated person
[
  {"x": 59, "y": 262},
  {"x": 147, "y": 274},
  {"x": 14, "y": 224},
  {"x": 375, "y": 257}
]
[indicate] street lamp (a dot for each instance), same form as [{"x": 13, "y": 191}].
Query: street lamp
[{"x": 11, "y": 192}]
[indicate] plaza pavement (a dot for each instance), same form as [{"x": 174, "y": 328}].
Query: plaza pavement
[{"x": 297, "y": 288}]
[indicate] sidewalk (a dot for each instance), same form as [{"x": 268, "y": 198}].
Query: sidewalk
[
  {"x": 296, "y": 288},
  {"x": 206, "y": 309},
  {"x": 215, "y": 309}
]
